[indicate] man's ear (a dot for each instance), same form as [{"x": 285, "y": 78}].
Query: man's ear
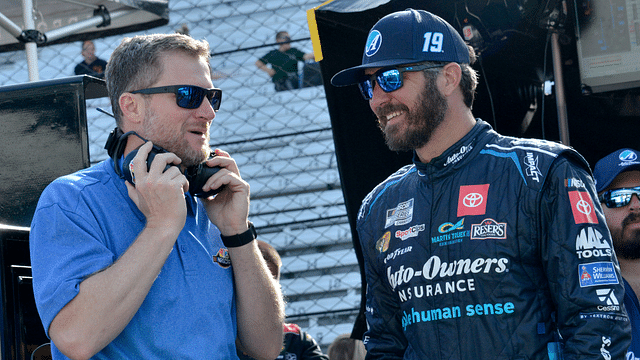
[
  {"x": 132, "y": 107},
  {"x": 452, "y": 75}
]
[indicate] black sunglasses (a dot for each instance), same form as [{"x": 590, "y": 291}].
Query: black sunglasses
[
  {"x": 616, "y": 198},
  {"x": 389, "y": 79},
  {"x": 187, "y": 96}
]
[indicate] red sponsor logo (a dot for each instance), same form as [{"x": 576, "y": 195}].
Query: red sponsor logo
[
  {"x": 473, "y": 200},
  {"x": 582, "y": 207}
]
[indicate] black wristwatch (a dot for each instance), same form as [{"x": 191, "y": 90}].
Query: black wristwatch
[{"x": 240, "y": 239}]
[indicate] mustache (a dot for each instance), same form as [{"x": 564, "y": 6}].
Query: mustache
[{"x": 634, "y": 217}]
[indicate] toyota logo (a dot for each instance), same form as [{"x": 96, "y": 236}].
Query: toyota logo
[
  {"x": 583, "y": 207},
  {"x": 472, "y": 200}
]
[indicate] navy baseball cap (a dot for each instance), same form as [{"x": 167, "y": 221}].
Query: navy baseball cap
[
  {"x": 610, "y": 166},
  {"x": 407, "y": 37}
]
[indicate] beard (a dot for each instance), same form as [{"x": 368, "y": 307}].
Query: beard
[
  {"x": 175, "y": 142},
  {"x": 627, "y": 247},
  {"x": 428, "y": 114}
]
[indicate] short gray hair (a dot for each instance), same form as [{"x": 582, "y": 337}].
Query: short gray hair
[{"x": 136, "y": 63}]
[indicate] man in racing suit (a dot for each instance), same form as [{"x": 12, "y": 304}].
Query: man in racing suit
[{"x": 487, "y": 247}]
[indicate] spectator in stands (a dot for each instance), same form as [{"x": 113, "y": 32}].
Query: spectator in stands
[
  {"x": 298, "y": 344},
  {"x": 284, "y": 63},
  {"x": 148, "y": 271},
  {"x": 91, "y": 65},
  {"x": 345, "y": 348},
  {"x": 499, "y": 217},
  {"x": 617, "y": 178}
]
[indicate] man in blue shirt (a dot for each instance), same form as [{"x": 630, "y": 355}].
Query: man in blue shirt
[
  {"x": 148, "y": 271},
  {"x": 617, "y": 178}
]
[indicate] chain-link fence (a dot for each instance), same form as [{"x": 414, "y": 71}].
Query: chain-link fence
[{"x": 282, "y": 142}]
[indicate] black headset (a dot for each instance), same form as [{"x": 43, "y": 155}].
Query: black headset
[{"x": 197, "y": 175}]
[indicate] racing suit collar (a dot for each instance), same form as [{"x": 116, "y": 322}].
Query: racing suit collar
[{"x": 456, "y": 155}]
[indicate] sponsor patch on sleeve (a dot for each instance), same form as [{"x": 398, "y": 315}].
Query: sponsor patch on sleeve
[
  {"x": 582, "y": 207},
  {"x": 597, "y": 273}
]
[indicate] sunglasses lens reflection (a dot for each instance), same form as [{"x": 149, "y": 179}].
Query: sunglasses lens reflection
[{"x": 390, "y": 80}]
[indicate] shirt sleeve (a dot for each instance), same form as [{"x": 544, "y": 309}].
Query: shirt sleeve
[
  {"x": 581, "y": 267},
  {"x": 384, "y": 338},
  {"x": 298, "y": 54},
  {"x": 65, "y": 248}
]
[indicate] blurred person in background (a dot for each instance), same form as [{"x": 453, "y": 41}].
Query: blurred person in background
[
  {"x": 345, "y": 348},
  {"x": 91, "y": 65},
  {"x": 298, "y": 344},
  {"x": 284, "y": 63}
]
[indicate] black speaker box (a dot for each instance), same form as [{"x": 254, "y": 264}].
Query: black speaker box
[{"x": 44, "y": 135}]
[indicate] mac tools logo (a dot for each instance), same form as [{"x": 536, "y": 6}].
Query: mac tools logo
[
  {"x": 374, "y": 41},
  {"x": 590, "y": 242}
]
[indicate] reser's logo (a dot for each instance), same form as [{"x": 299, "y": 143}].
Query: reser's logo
[{"x": 488, "y": 229}]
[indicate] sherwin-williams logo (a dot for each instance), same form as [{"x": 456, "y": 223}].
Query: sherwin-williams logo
[
  {"x": 400, "y": 215},
  {"x": 582, "y": 207},
  {"x": 590, "y": 243},
  {"x": 472, "y": 200},
  {"x": 374, "y": 41},
  {"x": 488, "y": 229},
  {"x": 597, "y": 273}
]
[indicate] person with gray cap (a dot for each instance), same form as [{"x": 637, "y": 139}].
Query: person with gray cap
[
  {"x": 617, "y": 177},
  {"x": 485, "y": 246}
]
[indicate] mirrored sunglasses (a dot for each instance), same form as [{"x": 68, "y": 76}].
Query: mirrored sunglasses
[
  {"x": 389, "y": 79},
  {"x": 616, "y": 198},
  {"x": 187, "y": 96}
]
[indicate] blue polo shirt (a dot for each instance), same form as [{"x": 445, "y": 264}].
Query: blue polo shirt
[{"x": 85, "y": 221}]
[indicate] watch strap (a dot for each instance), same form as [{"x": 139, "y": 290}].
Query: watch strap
[{"x": 240, "y": 239}]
